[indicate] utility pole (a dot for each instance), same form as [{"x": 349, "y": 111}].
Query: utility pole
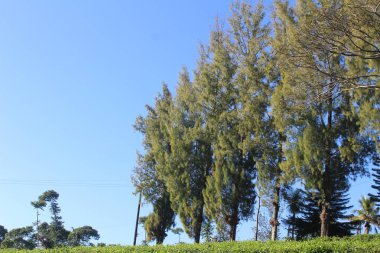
[{"x": 137, "y": 220}]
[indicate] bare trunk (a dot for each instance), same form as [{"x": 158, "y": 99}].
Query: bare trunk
[
  {"x": 367, "y": 226},
  {"x": 359, "y": 231},
  {"x": 198, "y": 226},
  {"x": 276, "y": 206},
  {"x": 293, "y": 226},
  {"x": 257, "y": 220},
  {"x": 200, "y": 220},
  {"x": 233, "y": 224},
  {"x": 38, "y": 234},
  {"x": 288, "y": 232},
  {"x": 324, "y": 220},
  {"x": 159, "y": 240},
  {"x": 326, "y": 183},
  {"x": 137, "y": 220}
]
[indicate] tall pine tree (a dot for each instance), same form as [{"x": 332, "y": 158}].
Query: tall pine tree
[
  {"x": 149, "y": 174},
  {"x": 317, "y": 118},
  {"x": 376, "y": 179},
  {"x": 229, "y": 194},
  {"x": 191, "y": 158},
  {"x": 306, "y": 221}
]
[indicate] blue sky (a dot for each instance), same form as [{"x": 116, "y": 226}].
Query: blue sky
[{"x": 74, "y": 75}]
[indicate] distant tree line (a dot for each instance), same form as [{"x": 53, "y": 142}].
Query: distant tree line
[
  {"x": 288, "y": 112},
  {"x": 47, "y": 235}
]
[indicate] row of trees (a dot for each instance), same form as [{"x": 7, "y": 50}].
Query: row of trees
[
  {"x": 47, "y": 235},
  {"x": 270, "y": 107}
]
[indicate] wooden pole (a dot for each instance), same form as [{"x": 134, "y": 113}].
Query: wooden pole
[{"x": 137, "y": 220}]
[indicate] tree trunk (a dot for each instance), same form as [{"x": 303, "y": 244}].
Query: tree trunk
[
  {"x": 293, "y": 225},
  {"x": 159, "y": 240},
  {"x": 233, "y": 224},
  {"x": 324, "y": 220},
  {"x": 137, "y": 220},
  {"x": 37, "y": 232},
  {"x": 326, "y": 183},
  {"x": 257, "y": 220},
  {"x": 198, "y": 226},
  {"x": 276, "y": 206},
  {"x": 367, "y": 226},
  {"x": 288, "y": 232},
  {"x": 359, "y": 229}
]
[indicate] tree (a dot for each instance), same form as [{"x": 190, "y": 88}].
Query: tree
[
  {"x": 368, "y": 214},
  {"x": 158, "y": 223},
  {"x": 57, "y": 234},
  {"x": 295, "y": 200},
  {"x": 142, "y": 222},
  {"x": 45, "y": 235},
  {"x": 255, "y": 79},
  {"x": 161, "y": 220},
  {"x": 318, "y": 120},
  {"x": 3, "y": 232},
  {"x": 178, "y": 231},
  {"x": 257, "y": 218},
  {"x": 376, "y": 180},
  {"x": 264, "y": 228},
  {"x": 347, "y": 30},
  {"x": 191, "y": 158},
  {"x": 271, "y": 177},
  {"x": 207, "y": 230},
  {"x": 81, "y": 236},
  {"x": 237, "y": 110},
  {"x": 149, "y": 174},
  {"x": 308, "y": 223},
  {"x": 19, "y": 238},
  {"x": 229, "y": 194},
  {"x": 38, "y": 205}
]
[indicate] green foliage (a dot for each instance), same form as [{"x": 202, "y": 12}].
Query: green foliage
[
  {"x": 178, "y": 231},
  {"x": 3, "y": 231},
  {"x": 264, "y": 112},
  {"x": 19, "y": 238},
  {"x": 191, "y": 158},
  {"x": 207, "y": 230},
  {"x": 312, "y": 110},
  {"x": 376, "y": 179},
  {"x": 39, "y": 204},
  {"x": 368, "y": 244},
  {"x": 306, "y": 223},
  {"x": 53, "y": 234},
  {"x": 160, "y": 221},
  {"x": 81, "y": 236},
  {"x": 234, "y": 82},
  {"x": 153, "y": 166},
  {"x": 369, "y": 214}
]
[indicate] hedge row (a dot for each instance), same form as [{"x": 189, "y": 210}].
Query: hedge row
[{"x": 367, "y": 244}]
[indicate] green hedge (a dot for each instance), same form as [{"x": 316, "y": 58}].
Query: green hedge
[{"x": 366, "y": 244}]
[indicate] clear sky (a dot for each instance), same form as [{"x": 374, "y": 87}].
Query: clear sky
[{"x": 74, "y": 75}]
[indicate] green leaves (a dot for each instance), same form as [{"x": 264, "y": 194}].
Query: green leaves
[
  {"x": 369, "y": 244},
  {"x": 368, "y": 214},
  {"x": 153, "y": 167},
  {"x": 19, "y": 238},
  {"x": 266, "y": 110},
  {"x": 81, "y": 236}
]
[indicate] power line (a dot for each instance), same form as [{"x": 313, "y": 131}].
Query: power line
[{"x": 69, "y": 183}]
